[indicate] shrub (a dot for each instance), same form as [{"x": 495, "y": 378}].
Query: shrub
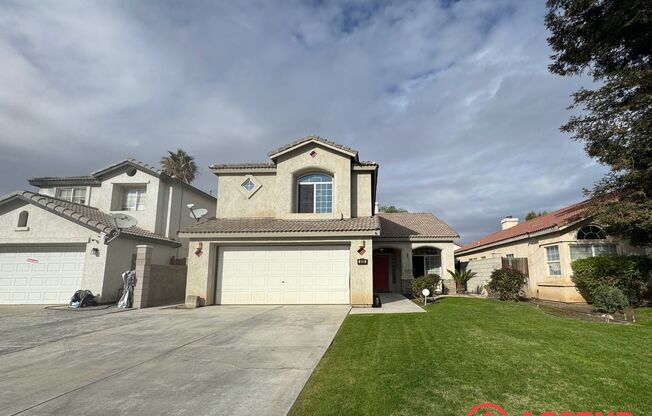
[
  {"x": 425, "y": 282},
  {"x": 506, "y": 284},
  {"x": 461, "y": 278},
  {"x": 609, "y": 299},
  {"x": 630, "y": 274}
]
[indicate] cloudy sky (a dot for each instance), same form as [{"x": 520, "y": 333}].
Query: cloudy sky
[{"x": 452, "y": 98}]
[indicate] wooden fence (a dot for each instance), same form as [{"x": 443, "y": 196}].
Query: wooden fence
[{"x": 516, "y": 263}]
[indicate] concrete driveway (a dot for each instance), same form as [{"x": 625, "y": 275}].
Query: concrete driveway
[{"x": 219, "y": 360}]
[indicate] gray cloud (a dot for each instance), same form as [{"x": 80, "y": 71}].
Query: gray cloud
[{"x": 453, "y": 99}]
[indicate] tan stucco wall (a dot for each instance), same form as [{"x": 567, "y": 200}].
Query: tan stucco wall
[
  {"x": 361, "y": 194},
  {"x": 298, "y": 162},
  {"x": 362, "y": 289},
  {"x": 541, "y": 284},
  {"x": 231, "y": 203},
  {"x": 277, "y": 196}
]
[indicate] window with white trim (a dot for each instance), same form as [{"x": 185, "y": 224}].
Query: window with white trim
[
  {"x": 133, "y": 199},
  {"x": 315, "y": 193},
  {"x": 554, "y": 262},
  {"x": 76, "y": 195}
]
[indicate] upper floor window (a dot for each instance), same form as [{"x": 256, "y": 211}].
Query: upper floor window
[
  {"x": 133, "y": 199},
  {"x": 76, "y": 195},
  {"x": 591, "y": 232},
  {"x": 315, "y": 193},
  {"x": 22, "y": 219}
]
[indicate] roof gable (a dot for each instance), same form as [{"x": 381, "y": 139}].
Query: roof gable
[
  {"x": 274, "y": 154},
  {"x": 95, "y": 178}
]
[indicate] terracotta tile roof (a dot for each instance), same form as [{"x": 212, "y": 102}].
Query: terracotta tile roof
[
  {"x": 272, "y": 225},
  {"x": 402, "y": 225},
  {"x": 551, "y": 222},
  {"x": 366, "y": 163},
  {"x": 312, "y": 138},
  {"x": 414, "y": 225},
  {"x": 224, "y": 166},
  {"x": 90, "y": 216}
]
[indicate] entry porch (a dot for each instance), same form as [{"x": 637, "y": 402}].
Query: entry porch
[{"x": 396, "y": 264}]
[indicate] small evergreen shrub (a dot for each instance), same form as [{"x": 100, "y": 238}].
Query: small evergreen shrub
[
  {"x": 506, "y": 284},
  {"x": 630, "y": 274},
  {"x": 425, "y": 282},
  {"x": 609, "y": 299}
]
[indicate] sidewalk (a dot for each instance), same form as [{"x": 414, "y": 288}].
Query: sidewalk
[{"x": 392, "y": 303}]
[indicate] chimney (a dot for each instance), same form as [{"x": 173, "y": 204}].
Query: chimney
[
  {"x": 508, "y": 222},
  {"x": 376, "y": 208}
]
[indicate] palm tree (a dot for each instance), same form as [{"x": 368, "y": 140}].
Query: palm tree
[
  {"x": 461, "y": 278},
  {"x": 180, "y": 165}
]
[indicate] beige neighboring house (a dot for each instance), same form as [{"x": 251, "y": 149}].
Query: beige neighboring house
[
  {"x": 301, "y": 229},
  {"x": 52, "y": 241},
  {"x": 550, "y": 243}
]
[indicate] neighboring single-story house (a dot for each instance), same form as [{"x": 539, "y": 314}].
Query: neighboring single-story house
[
  {"x": 301, "y": 229},
  {"x": 549, "y": 243}
]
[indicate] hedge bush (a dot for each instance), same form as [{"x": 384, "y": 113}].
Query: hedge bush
[
  {"x": 506, "y": 284},
  {"x": 630, "y": 274},
  {"x": 425, "y": 282},
  {"x": 609, "y": 299}
]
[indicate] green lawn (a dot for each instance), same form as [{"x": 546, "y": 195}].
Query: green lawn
[{"x": 466, "y": 351}]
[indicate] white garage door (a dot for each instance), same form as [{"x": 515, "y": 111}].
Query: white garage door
[
  {"x": 283, "y": 275},
  {"x": 40, "y": 275}
]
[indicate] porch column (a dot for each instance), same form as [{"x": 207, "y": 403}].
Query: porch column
[
  {"x": 200, "y": 280},
  {"x": 143, "y": 275},
  {"x": 406, "y": 269}
]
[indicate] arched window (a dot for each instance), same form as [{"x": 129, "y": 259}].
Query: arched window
[
  {"x": 315, "y": 193},
  {"x": 22, "y": 219},
  {"x": 589, "y": 244},
  {"x": 591, "y": 232},
  {"x": 426, "y": 260}
]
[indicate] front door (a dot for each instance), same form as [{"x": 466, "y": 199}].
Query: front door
[{"x": 381, "y": 273}]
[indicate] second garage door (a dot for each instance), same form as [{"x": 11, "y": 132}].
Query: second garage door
[{"x": 283, "y": 275}]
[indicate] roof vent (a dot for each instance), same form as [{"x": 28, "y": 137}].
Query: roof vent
[{"x": 508, "y": 222}]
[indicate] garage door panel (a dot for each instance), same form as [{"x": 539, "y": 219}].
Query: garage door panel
[
  {"x": 40, "y": 275},
  {"x": 283, "y": 275}
]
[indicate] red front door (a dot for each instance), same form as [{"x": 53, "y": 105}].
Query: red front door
[{"x": 381, "y": 273}]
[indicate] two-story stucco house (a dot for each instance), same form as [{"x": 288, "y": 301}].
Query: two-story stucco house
[
  {"x": 302, "y": 229},
  {"x": 550, "y": 243},
  {"x": 52, "y": 241}
]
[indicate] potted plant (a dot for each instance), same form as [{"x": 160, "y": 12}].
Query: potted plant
[{"x": 461, "y": 278}]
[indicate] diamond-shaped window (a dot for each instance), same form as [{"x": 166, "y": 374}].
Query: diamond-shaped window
[{"x": 248, "y": 185}]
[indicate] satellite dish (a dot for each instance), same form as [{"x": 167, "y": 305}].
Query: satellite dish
[
  {"x": 197, "y": 213},
  {"x": 124, "y": 221},
  {"x": 121, "y": 222}
]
